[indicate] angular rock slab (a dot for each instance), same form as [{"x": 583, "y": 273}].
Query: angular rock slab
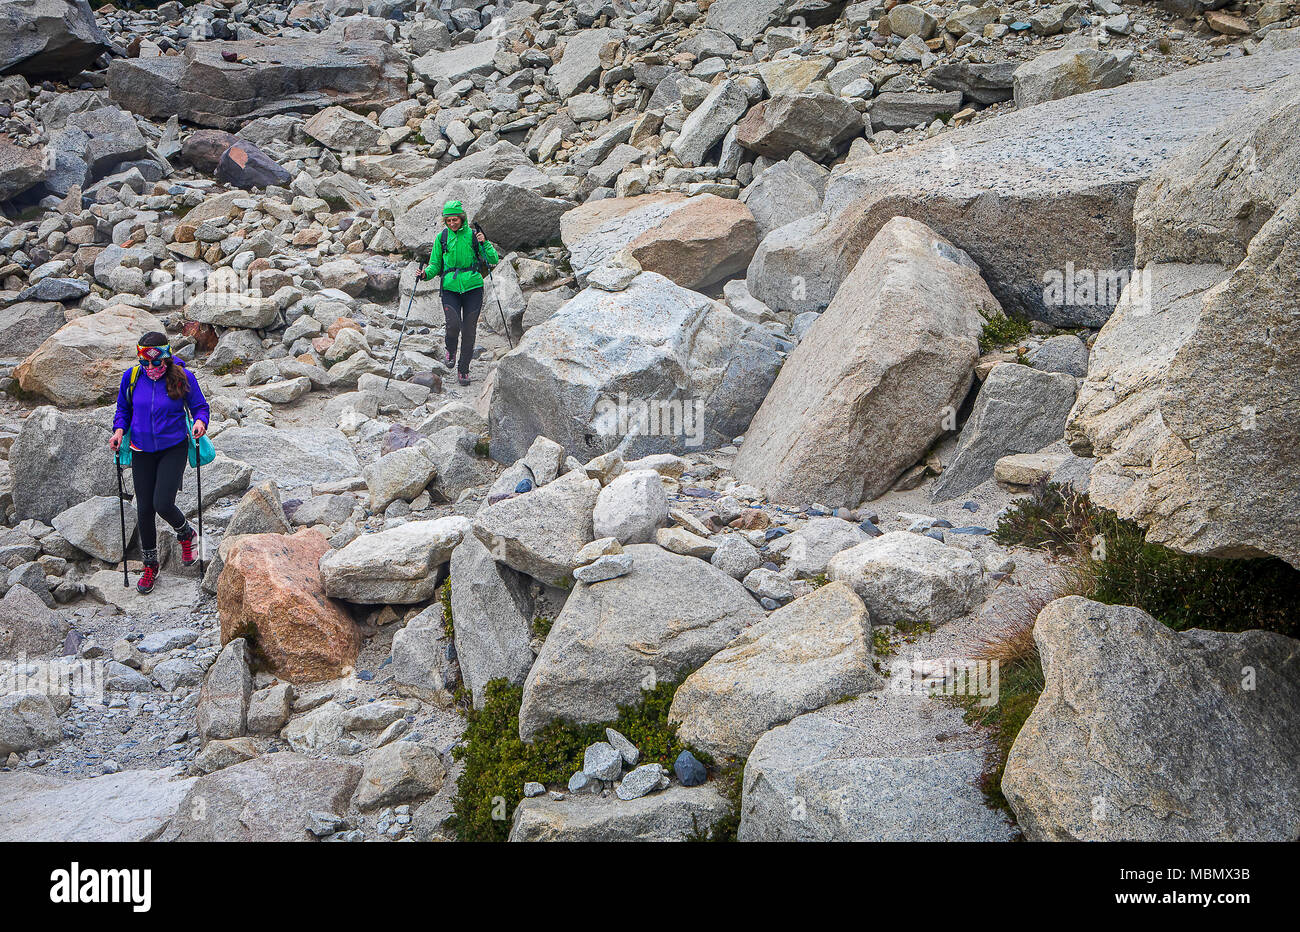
[
  {"x": 909, "y": 579},
  {"x": 398, "y": 566},
  {"x": 294, "y": 456},
  {"x": 132, "y": 805},
  {"x": 655, "y": 366},
  {"x": 617, "y": 637},
  {"x": 1209, "y": 200},
  {"x": 877, "y": 769},
  {"x": 266, "y": 799},
  {"x": 1148, "y": 734},
  {"x": 83, "y": 362},
  {"x": 868, "y": 389},
  {"x": 1018, "y": 410},
  {"x": 1005, "y": 189},
  {"x": 540, "y": 532},
  {"x": 814, "y": 651},
  {"x": 694, "y": 241},
  {"x": 675, "y": 814},
  {"x": 493, "y": 618},
  {"x": 57, "y": 461},
  {"x": 282, "y": 75},
  {"x": 49, "y": 39},
  {"x": 270, "y": 592}
]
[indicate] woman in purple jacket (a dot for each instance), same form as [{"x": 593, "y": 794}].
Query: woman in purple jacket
[{"x": 154, "y": 410}]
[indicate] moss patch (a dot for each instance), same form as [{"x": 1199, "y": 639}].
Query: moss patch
[{"x": 498, "y": 763}]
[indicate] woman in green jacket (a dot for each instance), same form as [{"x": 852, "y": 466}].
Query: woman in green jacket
[{"x": 455, "y": 257}]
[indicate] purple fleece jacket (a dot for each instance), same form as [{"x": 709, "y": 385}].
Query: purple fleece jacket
[{"x": 157, "y": 421}]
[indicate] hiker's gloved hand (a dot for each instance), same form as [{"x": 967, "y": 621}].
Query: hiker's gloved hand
[
  {"x": 115, "y": 442},
  {"x": 480, "y": 237}
]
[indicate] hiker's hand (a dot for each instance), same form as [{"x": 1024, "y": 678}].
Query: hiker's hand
[
  {"x": 199, "y": 429},
  {"x": 115, "y": 442},
  {"x": 480, "y": 237}
]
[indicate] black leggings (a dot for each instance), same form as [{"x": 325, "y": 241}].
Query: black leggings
[
  {"x": 157, "y": 479},
  {"x": 461, "y": 312}
]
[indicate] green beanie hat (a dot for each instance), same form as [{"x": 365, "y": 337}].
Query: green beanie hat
[{"x": 453, "y": 209}]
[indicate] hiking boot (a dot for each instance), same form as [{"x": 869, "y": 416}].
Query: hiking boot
[
  {"x": 187, "y": 549},
  {"x": 447, "y": 359},
  {"x": 462, "y": 380},
  {"x": 147, "y": 578}
]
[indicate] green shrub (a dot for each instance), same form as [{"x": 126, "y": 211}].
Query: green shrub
[
  {"x": 1001, "y": 330},
  {"x": 444, "y": 596},
  {"x": 1112, "y": 562},
  {"x": 730, "y": 785},
  {"x": 542, "y": 626},
  {"x": 498, "y": 763}
]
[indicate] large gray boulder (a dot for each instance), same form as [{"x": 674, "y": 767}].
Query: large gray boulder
[
  {"x": 694, "y": 241},
  {"x": 59, "y": 460},
  {"x": 704, "y": 128},
  {"x": 809, "y": 549},
  {"x": 49, "y": 39},
  {"x": 1210, "y": 199},
  {"x": 28, "y": 720},
  {"x": 455, "y": 65},
  {"x": 880, "y": 768},
  {"x": 293, "y": 456},
  {"x": 96, "y": 526},
  {"x": 632, "y": 508},
  {"x": 780, "y": 195},
  {"x": 814, "y": 651},
  {"x": 746, "y": 19},
  {"x": 580, "y": 64},
  {"x": 617, "y": 637},
  {"x": 1148, "y": 734},
  {"x": 869, "y": 388},
  {"x": 266, "y": 799},
  {"x": 677, "y": 814},
  {"x": 1019, "y": 409},
  {"x": 26, "y": 325},
  {"x": 814, "y": 123},
  {"x": 278, "y": 75},
  {"x": 510, "y": 216},
  {"x": 492, "y": 616},
  {"x": 540, "y": 532},
  {"x": 29, "y": 627},
  {"x": 21, "y": 169},
  {"x": 910, "y": 579},
  {"x": 654, "y": 367},
  {"x": 1190, "y": 401},
  {"x": 1064, "y": 72},
  {"x": 1003, "y": 188},
  {"x": 134, "y": 805},
  {"x": 398, "y": 566}
]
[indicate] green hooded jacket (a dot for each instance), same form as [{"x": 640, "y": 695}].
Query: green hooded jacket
[{"x": 457, "y": 266}]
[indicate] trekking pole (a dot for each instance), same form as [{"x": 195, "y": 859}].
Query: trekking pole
[
  {"x": 505, "y": 325},
  {"x": 121, "y": 513},
  {"x": 198, "y": 467},
  {"x": 401, "y": 334}
]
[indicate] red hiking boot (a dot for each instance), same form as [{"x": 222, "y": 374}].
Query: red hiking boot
[
  {"x": 147, "y": 578},
  {"x": 187, "y": 550}
]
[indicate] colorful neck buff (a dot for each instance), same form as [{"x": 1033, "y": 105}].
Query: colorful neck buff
[{"x": 154, "y": 354}]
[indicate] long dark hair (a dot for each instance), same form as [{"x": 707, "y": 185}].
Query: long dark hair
[{"x": 178, "y": 383}]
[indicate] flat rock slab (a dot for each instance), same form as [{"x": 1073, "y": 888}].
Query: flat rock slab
[
  {"x": 884, "y": 767},
  {"x": 293, "y": 457},
  {"x": 170, "y": 592},
  {"x": 273, "y": 76},
  {"x": 1005, "y": 189},
  {"x": 133, "y": 805},
  {"x": 671, "y": 815}
]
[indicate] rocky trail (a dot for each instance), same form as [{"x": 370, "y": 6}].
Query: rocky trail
[{"x": 799, "y": 302}]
